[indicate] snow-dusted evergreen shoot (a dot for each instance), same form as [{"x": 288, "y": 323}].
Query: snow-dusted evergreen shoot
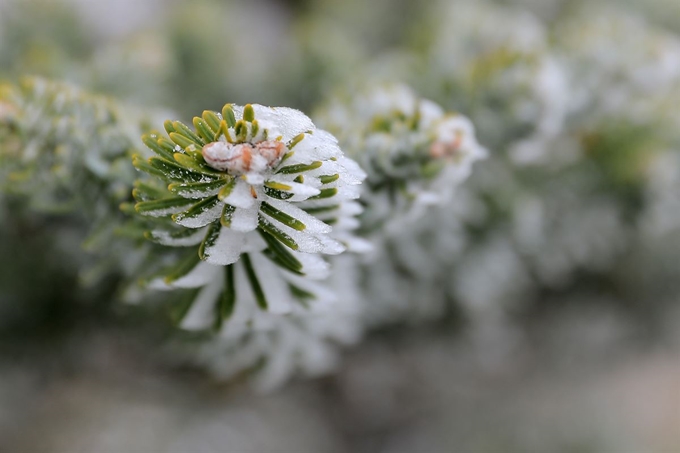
[
  {"x": 414, "y": 152},
  {"x": 249, "y": 169},
  {"x": 257, "y": 195},
  {"x": 416, "y": 155},
  {"x": 66, "y": 152},
  {"x": 72, "y": 143},
  {"x": 252, "y": 193}
]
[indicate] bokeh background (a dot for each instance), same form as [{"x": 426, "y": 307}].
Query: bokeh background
[{"x": 557, "y": 325}]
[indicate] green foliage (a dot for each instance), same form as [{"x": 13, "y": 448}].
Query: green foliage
[
  {"x": 64, "y": 155},
  {"x": 62, "y": 148}
]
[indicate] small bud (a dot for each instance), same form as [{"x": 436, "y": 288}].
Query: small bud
[
  {"x": 271, "y": 150},
  {"x": 224, "y": 156},
  {"x": 447, "y": 148},
  {"x": 244, "y": 157}
]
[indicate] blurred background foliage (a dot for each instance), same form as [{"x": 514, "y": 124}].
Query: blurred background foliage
[{"x": 560, "y": 279}]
